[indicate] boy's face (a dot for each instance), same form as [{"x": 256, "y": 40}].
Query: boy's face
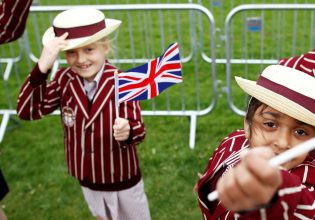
[
  {"x": 87, "y": 61},
  {"x": 278, "y": 131}
]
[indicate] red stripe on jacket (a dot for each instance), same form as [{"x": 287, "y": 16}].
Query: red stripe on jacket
[
  {"x": 295, "y": 198},
  {"x": 93, "y": 156}
]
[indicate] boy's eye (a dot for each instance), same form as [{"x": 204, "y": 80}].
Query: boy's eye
[
  {"x": 89, "y": 49},
  {"x": 69, "y": 52}
]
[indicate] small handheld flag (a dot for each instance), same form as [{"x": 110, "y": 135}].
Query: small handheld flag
[{"x": 149, "y": 80}]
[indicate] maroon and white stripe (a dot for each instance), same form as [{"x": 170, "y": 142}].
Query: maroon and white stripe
[
  {"x": 289, "y": 85},
  {"x": 90, "y": 148},
  {"x": 13, "y": 19},
  {"x": 296, "y": 196},
  {"x": 304, "y": 62}
]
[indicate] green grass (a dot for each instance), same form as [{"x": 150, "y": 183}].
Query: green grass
[
  {"x": 32, "y": 153},
  {"x": 32, "y": 159}
]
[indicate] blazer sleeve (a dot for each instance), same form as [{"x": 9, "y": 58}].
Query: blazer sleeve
[
  {"x": 294, "y": 200},
  {"x": 36, "y": 97},
  {"x": 218, "y": 164},
  {"x": 297, "y": 192},
  {"x": 13, "y": 19},
  {"x": 131, "y": 110}
]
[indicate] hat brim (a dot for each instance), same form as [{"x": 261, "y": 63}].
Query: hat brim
[
  {"x": 111, "y": 26},
  {"x": 276, "y": 101}
]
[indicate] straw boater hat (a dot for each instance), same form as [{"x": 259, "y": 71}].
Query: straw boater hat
[
  {"x": 84, "y": 25},
  {"x": 288, "y": 87}
]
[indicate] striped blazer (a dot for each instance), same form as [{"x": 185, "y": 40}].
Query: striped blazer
[
  {"x": 13, "y": 15},
  {"x": 93, "y": 156},
  {"x": 295, "y": 198}
]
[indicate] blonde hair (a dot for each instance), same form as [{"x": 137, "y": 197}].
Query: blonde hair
[{"x": 109, "y": 43}]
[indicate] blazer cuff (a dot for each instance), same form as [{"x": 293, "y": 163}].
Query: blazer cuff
[{"x": 37, "y": 77}]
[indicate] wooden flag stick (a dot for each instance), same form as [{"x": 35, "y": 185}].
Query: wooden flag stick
[{"x": 116, "y": 93}]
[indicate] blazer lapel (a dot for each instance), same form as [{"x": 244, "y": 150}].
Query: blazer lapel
[
  {"x": 78, "y": 92},
  {"x": 104, "y": 93}
]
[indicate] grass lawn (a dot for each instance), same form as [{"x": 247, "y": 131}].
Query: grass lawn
[{"x": 32, "y": 159}]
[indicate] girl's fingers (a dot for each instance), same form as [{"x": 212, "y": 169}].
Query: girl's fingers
[
  {"x": 259, "y": 158},
  {"x": 251, "y": 183}
]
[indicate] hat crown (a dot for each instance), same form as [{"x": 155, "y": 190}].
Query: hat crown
[
  {"x": 78, "y": 17},
  {"x": 290, "y": 78},
  {"x": 84, "y": 26},
  {"x": 288, "y": 87}
]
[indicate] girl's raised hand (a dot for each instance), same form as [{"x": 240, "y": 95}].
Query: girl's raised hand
[
  {"x": 51, "y": 51},
  {"x": 252, "y": 183}
]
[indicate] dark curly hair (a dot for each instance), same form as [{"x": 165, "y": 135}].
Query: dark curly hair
[{"x": 253, "y": 105}]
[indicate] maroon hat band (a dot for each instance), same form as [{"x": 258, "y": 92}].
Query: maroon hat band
[
  {"x": 296, "y": 97},
  {"x": 81, "y": 31}
]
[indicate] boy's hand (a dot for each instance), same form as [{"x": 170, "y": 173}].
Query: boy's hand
[
  {"x": 121, "y": 129},
  {"x": 253, "y": 182},
  {"x": 50, "y": 52}
]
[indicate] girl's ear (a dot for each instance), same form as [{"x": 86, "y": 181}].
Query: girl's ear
[{"x": 247, "y": 128}]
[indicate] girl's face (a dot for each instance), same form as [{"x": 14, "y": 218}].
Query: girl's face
[
  {"x": 278, "y": 131},
  {"x": 87, "y": 61}
]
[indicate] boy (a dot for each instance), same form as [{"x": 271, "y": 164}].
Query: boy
[{"x": 100, "y": 151}]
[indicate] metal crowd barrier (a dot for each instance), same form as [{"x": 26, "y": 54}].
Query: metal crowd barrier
[
  {"x": 145, "y": 35},
  {"x": 255, "y": 35}
]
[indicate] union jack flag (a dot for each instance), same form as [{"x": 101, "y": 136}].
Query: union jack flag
[{"x": 150, "y": 79}]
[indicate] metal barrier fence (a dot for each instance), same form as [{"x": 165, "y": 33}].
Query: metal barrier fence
[
  {"x": 254, "y": 35},
  {"x": 257, "y": 35},
  {"x": 145, "y": 35}
]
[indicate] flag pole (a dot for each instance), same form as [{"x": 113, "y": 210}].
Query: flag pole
[{"x": 116, "y": 94}]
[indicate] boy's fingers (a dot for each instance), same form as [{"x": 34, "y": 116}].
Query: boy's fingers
[
  {"x": 62, "y": 45},
  {"x": 121, "y": 129},
  {"x": 121, "y": 136},
  {"x": 64, "y": 36},
  {"x": 117, "y": 125},
  {"x": 121, "y": 123}
]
